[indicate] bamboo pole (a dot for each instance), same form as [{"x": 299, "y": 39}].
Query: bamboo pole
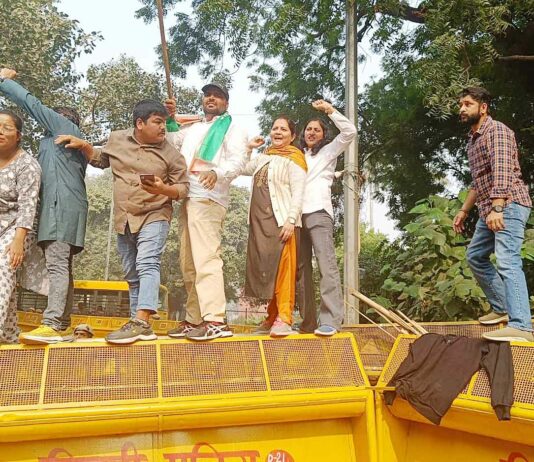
[
  {"x": 375, "y": 323},
  {"x": 164, "y": 49},
  {"x": 415, "y": 325},
  {"x": 385, "y": 312}
]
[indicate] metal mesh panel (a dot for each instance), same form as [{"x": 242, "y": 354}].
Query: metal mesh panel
[
  {"x": 20, "y": 376},
  {"x": 398, "y": 357},
  {"x": 311, "y": 363},
  {"x": 82, "y": 374},
  {"x": 523, "y": 377},
  {"x": 190, "y": 369},
  {"x": 28, "y": 320},
  {"x": 523, "y": 374},
  {"x": 467, "y": 330},
  {"x": 374, "y": 344}
]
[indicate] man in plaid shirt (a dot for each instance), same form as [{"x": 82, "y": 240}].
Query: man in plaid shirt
[{"x": 504, "y": 204}]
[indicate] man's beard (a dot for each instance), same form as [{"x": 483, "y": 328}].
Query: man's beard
[
  {"x": 212, "y": 111},
  {"x": 471, "y": 120}
]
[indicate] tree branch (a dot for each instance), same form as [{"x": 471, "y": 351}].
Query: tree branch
[
  {"x": 403, "y": 11},
  {"x": 528, "y": 58}
]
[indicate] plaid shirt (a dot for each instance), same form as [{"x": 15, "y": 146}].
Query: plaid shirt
[{"x": 494, "y": 165}]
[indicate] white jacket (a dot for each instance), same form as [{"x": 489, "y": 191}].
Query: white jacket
[{"x": 286, "y": 185}]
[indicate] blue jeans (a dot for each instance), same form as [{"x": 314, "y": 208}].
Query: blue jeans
[
  {"x": 141, "y": 261},
  {"x": 504, "y": 286}
]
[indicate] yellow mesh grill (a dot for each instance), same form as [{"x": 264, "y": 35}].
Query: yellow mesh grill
[
  {"x": 467, "y": 330},
  {"x": 399, "y": 355},
  {"x": 82, "y": 374},
  {"x": 523, "y": 377},
  {"x": 374, "y": 344},
  {"x": 20, "y": 376},
  {"x": 190, "y": 369},
  {"x": 311, "y": 363}
]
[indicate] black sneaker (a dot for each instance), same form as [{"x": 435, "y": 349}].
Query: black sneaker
[
  {"x": 133, "y": 330},
  {"x": 208, "y": 331},
  {"x": 183, "y": 328}
]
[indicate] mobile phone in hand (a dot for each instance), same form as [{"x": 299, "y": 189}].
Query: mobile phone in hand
[{"x": 147, "y": 178}]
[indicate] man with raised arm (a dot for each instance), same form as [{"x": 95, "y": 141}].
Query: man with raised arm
[
  {"x": 215, "y": 150},
  {"x": 148, "y": 173},
  {"x": 63, "y": 207}
]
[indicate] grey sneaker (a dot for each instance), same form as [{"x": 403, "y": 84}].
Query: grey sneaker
[
  {"x": 209, "y": 330},
  {"x": 493, "y": 318},
  {"x": 325, "y": 331},
  {"x": 133, "y": 330},
  {"x": 281, "y": 329},
  {"x": 509, "y": 334},
  {"x": 263, "y": 329},
  {"x": 183, "y": 328}
]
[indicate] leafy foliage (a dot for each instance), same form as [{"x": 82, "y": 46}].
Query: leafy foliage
[
  {"x": 113, "y": 89},
  {"x": 409, "y": 140},
  {"x": 430, "y": 279},
  {"x": 41, "y": 43}
]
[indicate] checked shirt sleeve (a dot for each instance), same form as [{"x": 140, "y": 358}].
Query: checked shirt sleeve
[{"x": 503, "y": 151}]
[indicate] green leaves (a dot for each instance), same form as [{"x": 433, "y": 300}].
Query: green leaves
[
  {"x": 41, "y": 44},
  {"x": 431, "y": 278},
  {"x": 113, "y": 89}
]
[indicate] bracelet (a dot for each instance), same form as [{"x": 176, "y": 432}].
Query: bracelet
[{"x": 465, "y": 211}]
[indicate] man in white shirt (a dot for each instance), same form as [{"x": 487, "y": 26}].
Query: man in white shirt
[{"x": 215, "y": 150}]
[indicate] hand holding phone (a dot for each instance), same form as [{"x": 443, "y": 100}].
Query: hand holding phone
[{"x": 147, "y": 178}]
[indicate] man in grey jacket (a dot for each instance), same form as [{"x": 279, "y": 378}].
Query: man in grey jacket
[{"x": 63, "y": 208}]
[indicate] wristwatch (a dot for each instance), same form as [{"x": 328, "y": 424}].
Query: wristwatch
[
  {"x": 292, "y": 220},
  {"x": 497, "y": 208}
]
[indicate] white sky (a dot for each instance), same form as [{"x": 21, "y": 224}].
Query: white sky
[{"x": 124, "y": 34}]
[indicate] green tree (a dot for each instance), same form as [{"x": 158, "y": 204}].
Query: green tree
[
  {"x": 91, "y": 263},
  {"x": 41, "y": 43},
  {"x": 113, "y": 89},
  {"x": 295, "y": 50}
]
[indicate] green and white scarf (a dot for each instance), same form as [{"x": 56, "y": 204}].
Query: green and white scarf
[{"x": 214, "y": 138}]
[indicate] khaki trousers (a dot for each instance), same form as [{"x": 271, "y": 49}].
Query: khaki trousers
[{"x": 200, "y": 260}]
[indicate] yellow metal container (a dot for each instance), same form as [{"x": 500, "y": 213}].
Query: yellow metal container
[
  {"x": 239, "y": 399},
  {"x": 469, "y": 431}
]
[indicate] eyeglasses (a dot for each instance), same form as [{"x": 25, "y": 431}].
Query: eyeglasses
[{"x": 7, "y": 128}]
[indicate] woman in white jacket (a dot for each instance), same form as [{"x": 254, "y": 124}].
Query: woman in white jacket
[
  {"x": 318, "y": 222},
  {"x": 279, "y": 177}
]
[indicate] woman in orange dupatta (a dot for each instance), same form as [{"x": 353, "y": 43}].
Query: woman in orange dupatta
[{"x": 279, "y": 178}]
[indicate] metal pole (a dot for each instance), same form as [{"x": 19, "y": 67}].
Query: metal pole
[
  {"x": 110, "y": 229},
  {"x": 351, "y": 190},
  {"x": 164, "y": 50}
]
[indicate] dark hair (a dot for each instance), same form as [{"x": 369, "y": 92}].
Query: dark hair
[
  {"x": 291, "y": 124},
  {"x": 317, "y": 147},
  {"x": 14, "y": 117},
  {"x": 479, "y": 94},
  {"x": 146, "y": 108},
  {"x": 69, "y": 113}
]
